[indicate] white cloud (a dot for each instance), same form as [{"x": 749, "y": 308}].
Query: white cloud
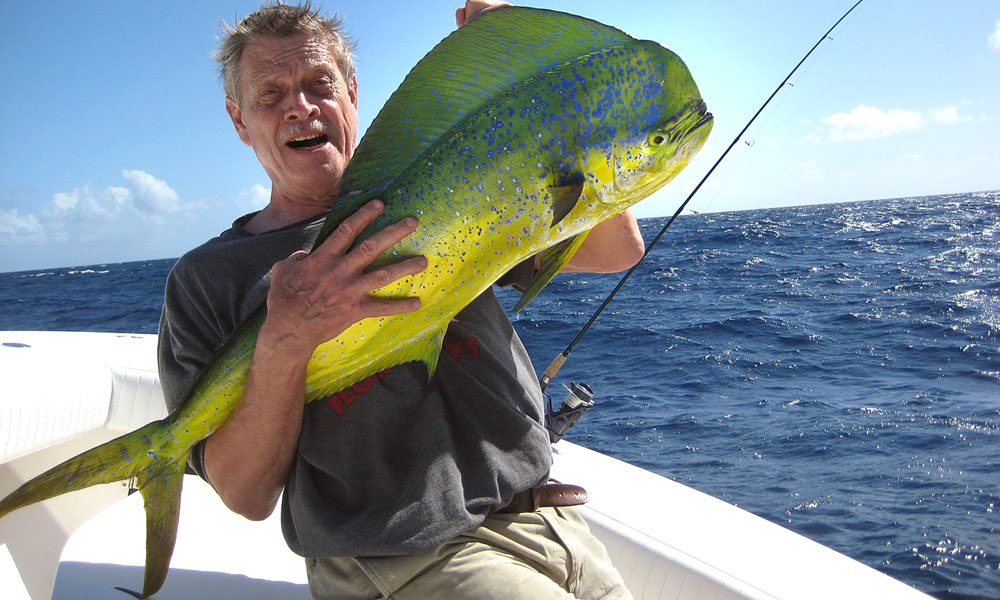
[
  {"x": 869, "y": 122},
  {"x": 141, "y": 216},
  {"x": 16, "y": 228},
  {"x": 85, "y": 206},
  {"x": 947, "y": 115},
  {"x": 994, "y": 39},
  {"x": 149, "y": 194},
  {"x": 87, "y": 214},
  {"x": 253, "y": 198}
]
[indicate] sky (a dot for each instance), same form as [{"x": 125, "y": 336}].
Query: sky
[{"x": 116, "y": 145}]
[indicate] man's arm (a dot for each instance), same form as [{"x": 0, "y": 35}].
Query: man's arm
[
  {"x": 313, "y": 298},
  {"x": 612, "y": 246}
]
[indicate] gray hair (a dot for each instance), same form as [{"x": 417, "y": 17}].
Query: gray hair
[{"x": 280, "y": 20}]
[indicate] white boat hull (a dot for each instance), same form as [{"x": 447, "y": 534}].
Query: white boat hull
[{"x": 65, "y": 392}]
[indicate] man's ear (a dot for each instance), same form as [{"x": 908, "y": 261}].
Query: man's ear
[
  {"x": 352, "y": 90},
  {"x": 237, "y": 116}
]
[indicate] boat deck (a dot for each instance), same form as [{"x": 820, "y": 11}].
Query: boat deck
[{"x": 79, "y": 389}]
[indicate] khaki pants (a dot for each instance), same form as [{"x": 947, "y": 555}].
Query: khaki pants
[{"x": 545, "y": 554}]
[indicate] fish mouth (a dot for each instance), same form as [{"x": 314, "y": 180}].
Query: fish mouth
[
  {"x": 705, "y": 117},
  {"x": 683, "y": 128},
  {"x": 693, "y": 129}
]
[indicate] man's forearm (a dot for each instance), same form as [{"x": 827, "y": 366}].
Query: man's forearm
[
  {"x": 248, "y": 459},
  {"x": 612, "y": 246}
]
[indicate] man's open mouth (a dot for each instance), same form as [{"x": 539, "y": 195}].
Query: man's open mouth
[{"x": 306, "y": 142}]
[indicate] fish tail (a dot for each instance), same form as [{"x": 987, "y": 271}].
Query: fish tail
[
  {"x": 158, "y": 477},
  {"x": 117, "y": 460},
  {"x": 161, "y": 494}
]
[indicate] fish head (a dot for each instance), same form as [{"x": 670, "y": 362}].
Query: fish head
[{"x": 663, "y": 123}]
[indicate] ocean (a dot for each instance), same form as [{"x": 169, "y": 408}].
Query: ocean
[{"x": 832, "y": 368}]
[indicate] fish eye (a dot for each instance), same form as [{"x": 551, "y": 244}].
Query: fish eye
[{"x": 657, "y": 139}]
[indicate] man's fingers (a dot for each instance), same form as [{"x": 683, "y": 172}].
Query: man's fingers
[
  {"x": 472, "y": 9},
  {"x": 340, "y": 241},
  {"x": 343, "y": 236},
  {"x": 390, "y": 273},
  {"x": 384, "y": 239},
  {"x": 368, "y": 250},
  {"x": 385, "y": 307}
]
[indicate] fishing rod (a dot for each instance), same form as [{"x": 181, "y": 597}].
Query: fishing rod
[{"x": 580, "y": 398}]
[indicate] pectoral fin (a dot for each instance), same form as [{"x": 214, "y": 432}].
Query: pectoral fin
[
  {"x": 553, "y": 261},
  {"x": 565, "y": 196},
  {"x": 429, "y": 351},
  {"x": 327, "y": 374}
]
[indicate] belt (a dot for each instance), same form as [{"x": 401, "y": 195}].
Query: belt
[{"x": 550, "y": 494}]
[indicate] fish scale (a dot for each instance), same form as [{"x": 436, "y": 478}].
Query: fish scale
[{"x": 558, "y": 124}]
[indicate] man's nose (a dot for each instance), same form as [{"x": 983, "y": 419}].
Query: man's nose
[{"x": 300, "y": 107}]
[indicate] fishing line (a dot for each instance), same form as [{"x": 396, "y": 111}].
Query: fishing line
[
  {"x": 762, "y": 128},
  {"x": 559, "y": 360},
  {"x": 726, "y": 174},
  {"x": 811, "y": 102},
  {"x": 766, "y": 127}
]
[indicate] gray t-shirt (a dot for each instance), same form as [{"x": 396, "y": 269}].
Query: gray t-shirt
[{"x": 393, "y": 464}]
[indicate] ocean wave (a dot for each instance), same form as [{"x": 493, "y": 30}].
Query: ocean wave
[{"x": 832, "y": 368}]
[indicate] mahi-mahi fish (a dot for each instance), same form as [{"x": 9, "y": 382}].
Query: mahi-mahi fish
[{"x": 514, "y": 136}]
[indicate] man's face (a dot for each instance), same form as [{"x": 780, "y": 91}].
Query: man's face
[{"x": 297, "y": 113}]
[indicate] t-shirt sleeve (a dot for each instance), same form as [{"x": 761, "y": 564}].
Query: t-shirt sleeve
[{"x": 186, "y": 345}]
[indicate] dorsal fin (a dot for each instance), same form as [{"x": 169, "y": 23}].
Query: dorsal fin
[{"x": 461, "y": 75}]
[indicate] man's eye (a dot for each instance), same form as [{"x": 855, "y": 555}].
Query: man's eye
[{"x": 268, "y": 94}]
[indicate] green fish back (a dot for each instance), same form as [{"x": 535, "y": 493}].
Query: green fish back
[{"x": 464, "y": 73}]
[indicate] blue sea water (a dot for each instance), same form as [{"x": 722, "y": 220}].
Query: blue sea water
[{"x": 834, "y": 369}]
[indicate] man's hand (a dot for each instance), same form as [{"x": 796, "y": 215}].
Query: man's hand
[
  {"x": 474, "y": 8},
  {"x": 315, "y": 297}
]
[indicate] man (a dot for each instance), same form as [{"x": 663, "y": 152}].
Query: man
[{"x": 397, "y": 487}]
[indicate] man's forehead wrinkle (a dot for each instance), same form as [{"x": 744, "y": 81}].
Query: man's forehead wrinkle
[{"x": 264, "y": 63}]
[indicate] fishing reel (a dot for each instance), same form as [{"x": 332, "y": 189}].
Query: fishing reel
[{"x": 579, "y": 400}]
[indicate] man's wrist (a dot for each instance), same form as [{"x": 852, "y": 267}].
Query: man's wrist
[{"x": 283, "y": 344}]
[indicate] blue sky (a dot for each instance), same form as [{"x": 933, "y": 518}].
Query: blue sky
[{"x": 116, "y": 145}]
